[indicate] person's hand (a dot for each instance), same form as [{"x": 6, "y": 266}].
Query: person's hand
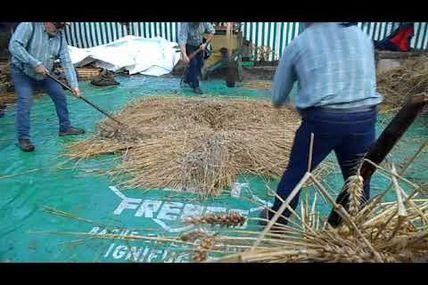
[
  {"x": 77, "y": 93},
  {"x": 186, "y": 59},
  {"x": 203, "y": 46},
  {"x": 41, "y": 69}
]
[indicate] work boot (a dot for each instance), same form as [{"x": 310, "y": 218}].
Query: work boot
[
  {"x": 72, "y": 131},
  {"x": 198, "y": 90},
  {"x": 26, "y": 145}
]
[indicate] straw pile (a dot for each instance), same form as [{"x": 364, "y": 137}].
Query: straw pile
[
  {"x": 382, "y": 231},
  {"x": 195, "y": 144},
  {"x": 258, "y": 85},
  {"x": 7, "y": 90},
  {"x": 398, "y": 84}
]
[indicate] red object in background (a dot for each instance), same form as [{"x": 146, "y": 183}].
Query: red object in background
[{"x": 402, "y": 39}]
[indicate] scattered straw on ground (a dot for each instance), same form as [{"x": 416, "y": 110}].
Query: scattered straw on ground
[
  {"x": 382, "y": 231},
  {"x": 197, "y": 144},
  {"x": 398, "y": 84},
  {"x": 258, "y": 85}
]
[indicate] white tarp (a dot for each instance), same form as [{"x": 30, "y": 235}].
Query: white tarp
[{"x": 154, "y": 56}]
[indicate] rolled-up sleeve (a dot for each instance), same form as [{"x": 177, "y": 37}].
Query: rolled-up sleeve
[
  {"x": 19, "y": 42},
  {"x": 69, "y": 71},
  {"x": 182, "y": 33},
  {"x": 284, "y": 79}
]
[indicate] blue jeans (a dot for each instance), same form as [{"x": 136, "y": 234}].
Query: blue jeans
[
  {"x": 24, "y": 87},
  {"x": 349, "y": 134},
  {"x": 195, "y": 66}
]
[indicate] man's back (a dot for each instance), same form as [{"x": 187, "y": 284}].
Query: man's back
[{"x": 335, "y": 67}]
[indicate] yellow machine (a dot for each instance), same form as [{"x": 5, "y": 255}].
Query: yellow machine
[{"x": 221, "y": 41}]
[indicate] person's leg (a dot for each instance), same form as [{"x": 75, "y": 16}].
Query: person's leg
[
  {"x": 192, "y": 71},
  {"x": 324, "y": 142},
  {"x": 200, "y": 63},
  {"x": 356, "y": 144},
  {"x": 24, "y": 88},
  {"x": 57, "y": 94}
]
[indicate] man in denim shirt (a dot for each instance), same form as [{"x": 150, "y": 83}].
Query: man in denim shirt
[
  {"x": 190, "y": 39},
  {"x": 34, "y": 48},
  {"x": 334, "y": 66}
]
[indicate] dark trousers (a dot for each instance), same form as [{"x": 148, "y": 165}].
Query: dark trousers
[
  {"x": 24, "y": 87},
  {"x": 195, "y": 66},
  {"x": 350, "y": 135}
]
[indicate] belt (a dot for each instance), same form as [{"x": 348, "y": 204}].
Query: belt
[{"x": 361, "y": 109}]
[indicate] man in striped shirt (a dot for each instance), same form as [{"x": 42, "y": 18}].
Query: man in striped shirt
[
  {"x": 334, "y": 66},
  {"x": 34, "y": 48}
]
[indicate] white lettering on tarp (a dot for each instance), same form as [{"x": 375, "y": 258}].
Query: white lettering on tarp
[
  {"x": 161, "y": 211},
  {"x": 134, "y": 252},
  {"x": 154, "y": 254},
  {"x": 115, "y": 231},
  {"x": 94, "y": 230},
  {"x": 143, "y": 254},
  {"x": 148, "y": 208},
  {"x": 192, "y": 210},
  {"x": 117, "y": 192},
  {"x": 120, "y": 251},
  {"x": 213, "y": 209},
  {"x": 237, "y": 189},
  {"x": 110, "y": 248},
  {"x": 170, "y": 211},
  {"x": 127, "y": 203}
]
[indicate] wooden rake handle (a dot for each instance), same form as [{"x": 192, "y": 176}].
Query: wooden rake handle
[
  {"x": 84, "y": 99},
  {"x": 384, "y": 144}
]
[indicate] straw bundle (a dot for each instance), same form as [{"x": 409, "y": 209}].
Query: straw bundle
[
  {"x": 398, "y": 84},
  {"x": 195, "y": 144},
  {"x": 85, "y": 73},
  {"x": 393, "y": 231}
]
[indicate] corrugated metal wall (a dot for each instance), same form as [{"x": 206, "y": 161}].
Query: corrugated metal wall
[{"x": 275, "y": 35}]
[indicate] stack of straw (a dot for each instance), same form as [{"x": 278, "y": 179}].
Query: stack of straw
[
  {"x": 398, "y": 84},
  {"x": 195, "y": 144}
]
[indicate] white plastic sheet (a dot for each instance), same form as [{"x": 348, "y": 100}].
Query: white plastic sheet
[{"x": 154, "y": 56}]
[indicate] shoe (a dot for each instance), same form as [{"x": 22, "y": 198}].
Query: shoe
[
  {"x": 26, "y": 145},
  {"x": 72, "y": 131},
  {"x": 198, "y": 90}
]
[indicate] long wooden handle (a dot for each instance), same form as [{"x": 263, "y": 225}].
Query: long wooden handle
[
  {"x": 193, "y": 54},
  {"x": 84, "y": 99},
  {"x": 384, "y": 144}
]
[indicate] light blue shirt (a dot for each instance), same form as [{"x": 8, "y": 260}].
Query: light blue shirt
[
  {"x": 31, "y": 45},
  {"x": 333, "y": 65},
  {"x": 192, "y": 33}
]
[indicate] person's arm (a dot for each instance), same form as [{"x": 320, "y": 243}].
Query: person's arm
[
  {"x": 209, "y": 28},
  {"x": 66, "y": 63},
  {"x": 285, "y": 76},
  {"x": 18, "y": 45},
  {"x": 182, "y": 40}
]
